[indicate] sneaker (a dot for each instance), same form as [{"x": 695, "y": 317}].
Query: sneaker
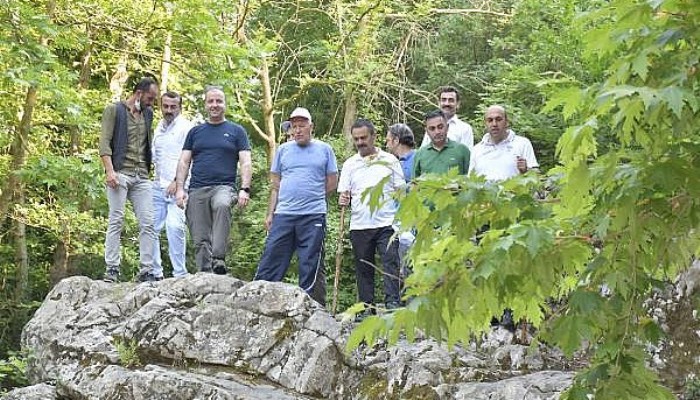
[
  {"x": 393, "y": 305},
  {"x": 146, "y": 277},
  {"x": 507, "y": 320},
  {"x": 219, "y": 267},
  {"x": 367, "y": 312},
  {"x": 111, "y": 275}
]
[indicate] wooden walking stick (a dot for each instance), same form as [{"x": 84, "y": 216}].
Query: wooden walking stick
[{"x": 338, "y": 258}]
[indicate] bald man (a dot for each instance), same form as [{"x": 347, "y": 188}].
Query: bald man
[{"x": 501, "y": 154}]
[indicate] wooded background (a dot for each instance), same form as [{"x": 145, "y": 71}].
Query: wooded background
[{"x": 63, "y": 61}]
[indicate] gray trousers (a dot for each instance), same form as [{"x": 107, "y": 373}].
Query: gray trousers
[
  {"x": 209, "y": 220},
  {"x": 137, "y": 190}
]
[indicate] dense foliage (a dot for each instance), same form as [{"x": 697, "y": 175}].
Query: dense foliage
[
  {"x": 619, "y": 223},
  {"x": 606, "y": 90}
]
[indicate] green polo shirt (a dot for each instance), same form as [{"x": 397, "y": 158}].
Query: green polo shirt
[{"x": 431, "y": 160}]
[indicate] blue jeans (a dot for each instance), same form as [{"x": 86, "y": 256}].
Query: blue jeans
[
  {"x": 137, "y": 190},
  {"x": 172, "y": 217},
  {"x": 303, "y": 233}
]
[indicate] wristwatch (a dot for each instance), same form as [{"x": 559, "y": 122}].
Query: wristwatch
[{"x": 246, "y": 189}]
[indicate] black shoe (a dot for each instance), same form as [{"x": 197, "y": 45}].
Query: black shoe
[
  {"x": 393, "y": 305},
  {"x": 158, "y": 278},
  {"x": 507, "y": 320},
  {"x": 368, "y": 311},
  {"x": 145, "y": 277},
  {"x": 111, "y": 275},
  {"x": 219, "y": 267}
]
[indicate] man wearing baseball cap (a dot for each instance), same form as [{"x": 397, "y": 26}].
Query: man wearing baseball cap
[{"x": 303, "y": 172}]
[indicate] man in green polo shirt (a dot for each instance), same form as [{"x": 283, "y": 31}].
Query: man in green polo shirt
[{"x": 442, "y": 154}]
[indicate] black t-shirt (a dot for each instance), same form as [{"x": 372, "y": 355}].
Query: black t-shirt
[{"x": 215, "y": 153}]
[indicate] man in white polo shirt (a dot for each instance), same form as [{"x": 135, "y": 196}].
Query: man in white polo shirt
[
  {"x": 457, "y": 130},
  {"x": 371, "y": 229},
  {"x": 501, "y": 154}
]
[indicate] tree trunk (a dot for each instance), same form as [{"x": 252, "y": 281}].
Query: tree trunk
[
  {"x": 267, "y": 110},
  {"x": 15, "y": 192},
  {"x": 350, "y": 111},
  {"x": 13, "y": 186},
  {"x": 165, "y": 65},
  {"x": 61, "y": 257},
  {"x": 21, "y": 258}
]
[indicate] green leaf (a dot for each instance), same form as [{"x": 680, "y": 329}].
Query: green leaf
[{"x": 674, "y": 97}]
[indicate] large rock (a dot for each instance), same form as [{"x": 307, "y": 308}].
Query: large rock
[{"x": 212, "y": 337}]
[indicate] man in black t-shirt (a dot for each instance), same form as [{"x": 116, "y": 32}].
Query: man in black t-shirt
[{"x": 214, "y": 149}]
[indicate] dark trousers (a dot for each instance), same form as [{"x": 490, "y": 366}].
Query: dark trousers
[
  {"x": 303, "y": 234},
  {"x": 365, "y": 244}
]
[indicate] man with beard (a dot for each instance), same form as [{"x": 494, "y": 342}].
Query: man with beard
[
  {"x": 125, "y": 151},
  {"x": 371, "y": 229},
  {"x": 168, "y": 139},
  {"x": 442, "y": 154},
  {"x": 303, "y": 172},
  {"x": 501, "y": 154},
  {"x": 215, "y": 149},
  {"x": 457, "y": 130}
]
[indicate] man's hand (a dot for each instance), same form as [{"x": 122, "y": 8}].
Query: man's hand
[
  {"x": 268, "y": 222},
  {"x": 521, "y": 163},
  {"x": 344, "y": 199},
  {"x": 112, "y": 179},
  {"x": 181, "y": 198},
  {"x": 243, "y": 198},
  {"x": 171, "y": 190}
]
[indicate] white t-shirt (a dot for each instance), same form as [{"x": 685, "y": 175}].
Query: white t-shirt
[
  {"x": 166, "y": 149},
  {"x": 498, "y": 162},
  {"x": 457, "y": 131},
  {"x": 359, "y": 174}
]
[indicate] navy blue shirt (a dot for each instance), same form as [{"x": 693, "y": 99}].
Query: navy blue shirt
[{"x": 215, "y": 153}]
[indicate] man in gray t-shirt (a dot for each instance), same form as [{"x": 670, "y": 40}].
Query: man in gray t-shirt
[{"x": 303, "y": 172}]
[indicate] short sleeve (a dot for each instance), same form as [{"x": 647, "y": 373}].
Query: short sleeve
[
  {"x": 529, "y": 155},
  {"x": 189, "y": 139},
  {"x": 276, "y": 167},
  {"x": 331, "y": 162}
]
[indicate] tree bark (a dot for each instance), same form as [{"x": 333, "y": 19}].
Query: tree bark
[
  {"x": 165, "y": 65},
  {"x": 15, "y": 192},
  {"x": 350, "y": 114},
  {"x": 21, "y": 258},
  {"x": 267, "y": 110}
]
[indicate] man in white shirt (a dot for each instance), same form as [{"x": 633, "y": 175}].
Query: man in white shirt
[
  {"x": 168, "y": 139},
  {"x": 457, "y": 130},
  {"x": 501, "y": 154},
  {"x": 371, "y": 228}
]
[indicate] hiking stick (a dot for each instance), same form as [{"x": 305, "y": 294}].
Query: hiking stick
[{"x": 338, "y": 258}]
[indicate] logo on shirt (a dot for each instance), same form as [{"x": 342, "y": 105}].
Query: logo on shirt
[{"x": 226, "y": 135}]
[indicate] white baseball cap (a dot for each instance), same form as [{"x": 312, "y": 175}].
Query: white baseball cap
[{"x": 300, "y": 112}]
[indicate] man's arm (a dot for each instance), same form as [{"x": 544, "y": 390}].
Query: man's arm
[
  {"x": 111, "y": 177},
  {"x": 246, "y": 166},
  {"x": 183, "y": 168},
  {"x": 331, "y": 182},
  {"x": 109, "y": 116},
  {"x": 464, "y": 168},
  {"x": 416, "y": 166},
  {"x": 272, "y": 203}
]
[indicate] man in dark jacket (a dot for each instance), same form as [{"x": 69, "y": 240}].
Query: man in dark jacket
[{"x": 125, "y": 150}]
